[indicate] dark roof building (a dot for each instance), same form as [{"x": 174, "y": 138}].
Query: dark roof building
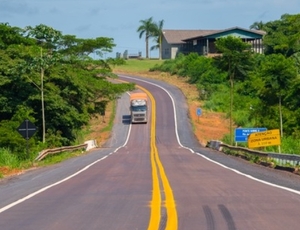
[{"x": 202, "y": 41}]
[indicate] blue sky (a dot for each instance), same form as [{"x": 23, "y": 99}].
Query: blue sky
[{"x": 119, "y": 19}]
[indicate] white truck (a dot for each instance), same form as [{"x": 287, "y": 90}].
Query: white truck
[{"x": 139, "y": 107}]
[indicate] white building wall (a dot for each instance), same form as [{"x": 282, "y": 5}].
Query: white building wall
[{"x": 174, "y": 52}]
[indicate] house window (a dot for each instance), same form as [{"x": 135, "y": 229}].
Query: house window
[{"x": 167, "y": 51}]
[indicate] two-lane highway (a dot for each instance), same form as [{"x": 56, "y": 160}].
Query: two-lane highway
[
  {"x": 209, "y": 195},
  {"x": 158, "y": 177}
]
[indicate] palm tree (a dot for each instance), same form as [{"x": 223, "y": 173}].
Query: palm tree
[
  {"x": 158, "y": 37},
  {"x": 257, "y": 26},
  {"x": 147, "y": 27},
  {"x": 156, "y": 46}
]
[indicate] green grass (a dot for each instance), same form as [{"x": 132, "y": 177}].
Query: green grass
[
  {"x": 59, "y": 157},
  {"x": 137, "y": 65},
  {"x": 8, "y": 159}
]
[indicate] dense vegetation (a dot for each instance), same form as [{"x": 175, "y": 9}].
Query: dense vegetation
[
  {"x": 50, "y": 79},
  {"x": 255, "y": 90}
]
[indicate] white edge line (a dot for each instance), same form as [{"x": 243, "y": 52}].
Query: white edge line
[
  {"x": 65, "y": 179},
  {"x": 199, "y": 154}
]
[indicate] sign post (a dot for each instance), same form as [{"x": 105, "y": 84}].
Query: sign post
[
  {"x": 27, "y": 129},
  {"x": 199, "y": 112}
]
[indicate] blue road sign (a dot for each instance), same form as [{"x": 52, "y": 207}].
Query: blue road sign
[
  {"x": 241, "y": 134},
  {"x": 199, "y": 111}
]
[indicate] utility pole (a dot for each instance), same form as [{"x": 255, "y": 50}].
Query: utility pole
[{"x": 42, "y": 97}]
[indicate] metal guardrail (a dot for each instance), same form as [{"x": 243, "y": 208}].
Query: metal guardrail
[
  {"x": 251, "y": 151},
  {"x": 280, "y": 159},
  {"x": 284, "y": 159},
  {"x": 47, "y": 152}
]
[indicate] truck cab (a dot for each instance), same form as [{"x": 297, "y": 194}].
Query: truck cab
[{"x": 139, "y": 107}]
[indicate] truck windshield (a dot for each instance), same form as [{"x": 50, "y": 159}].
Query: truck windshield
[{"x": 139, "y": 108}]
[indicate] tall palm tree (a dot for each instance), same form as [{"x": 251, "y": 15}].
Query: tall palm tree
[
  {"x": 257, "y": 26},
  {"x": 147, "y": 27},
  {"x": 158, "y": 37},
  {"x": 156, "y": 46}
]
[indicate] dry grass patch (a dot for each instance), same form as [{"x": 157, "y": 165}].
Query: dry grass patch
[{"x": 98, "y": 126}]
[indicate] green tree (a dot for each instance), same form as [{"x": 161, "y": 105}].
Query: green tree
[
  {"x": 257, "y": 26},
  {"x": 278, "y": 74},
  {"x": 292, "y": 102},
  {"x": 283, "y": 35},
  {"x": 148, "y": 28},
  {"x": 48, "y": 38},
  {"x": 235, "y": 60},
  {"x": 82, "y": 48},
  {"x": 75, "y": 85},
  {"x": 158, "y": 33},
  {"x": 11, "y": 35}
]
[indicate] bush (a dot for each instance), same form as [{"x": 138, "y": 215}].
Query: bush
[
  {"x": 289, "y": 145},
  {"x": 8, "y": 159}
]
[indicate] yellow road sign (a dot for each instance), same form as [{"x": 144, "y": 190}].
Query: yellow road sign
[{"x": 263, "y": 139}]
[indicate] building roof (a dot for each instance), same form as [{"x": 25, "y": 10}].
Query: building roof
[
  {"x": 261, "y": 32},
  {"x": 180, "y": 36}
]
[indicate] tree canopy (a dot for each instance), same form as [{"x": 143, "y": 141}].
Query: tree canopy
[{"x": 75, "y": 86}]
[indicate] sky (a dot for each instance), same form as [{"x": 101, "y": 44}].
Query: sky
[{"x": 119, "y": 19}]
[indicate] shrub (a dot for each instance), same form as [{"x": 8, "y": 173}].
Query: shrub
[{"x": 8, "y": 159}]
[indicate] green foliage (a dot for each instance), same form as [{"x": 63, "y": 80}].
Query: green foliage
[
  {"x": 283, "y": 35},
  {"x": 235, "y": 58},
  {"x": 226, "y": 139},
  {"x": 168, "y": 66},
  {"x": 290, "y": 145},
  {"x": 278, "y": 73},
  {"x": 10, "y": 137},
  {"x": 8, "y": 159},
  {"x": 241, "y": 118},
  {"x": 116, "y": 61},
  {"x": 147, "y": 28},
  {"x": 277, "y": 78},
  {"x": 219, "y": 100},
  {"x": 40, "y": 60},
  {"x": 257, "y": 26},
  {"x": 203, "y": 71}
]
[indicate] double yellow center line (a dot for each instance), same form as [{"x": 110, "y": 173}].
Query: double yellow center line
[{"x": 158, "y": 171}]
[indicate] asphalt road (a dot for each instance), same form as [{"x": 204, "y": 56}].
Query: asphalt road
[{"x": 114, "y": 187}]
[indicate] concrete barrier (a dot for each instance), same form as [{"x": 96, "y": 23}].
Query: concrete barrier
[
  {"x": 215, "y": 145},
  {"x": 91, "y": 144}
]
